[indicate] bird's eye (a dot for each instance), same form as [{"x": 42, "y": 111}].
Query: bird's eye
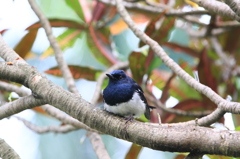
[{"x": 120, "y": 77}]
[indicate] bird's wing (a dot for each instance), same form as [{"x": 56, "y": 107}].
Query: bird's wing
[{"x": 141, "y": 94}]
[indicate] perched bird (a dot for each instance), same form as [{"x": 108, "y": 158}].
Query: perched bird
[{"x": 124, "y": 97}]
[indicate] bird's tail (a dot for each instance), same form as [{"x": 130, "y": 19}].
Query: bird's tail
[{"x": 147, "y": 112}]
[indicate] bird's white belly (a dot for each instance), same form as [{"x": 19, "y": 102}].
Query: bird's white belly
[{"x": 135, "y": 107}]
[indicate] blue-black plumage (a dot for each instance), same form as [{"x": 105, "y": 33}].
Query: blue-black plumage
[{"x": 124, "y": 97}]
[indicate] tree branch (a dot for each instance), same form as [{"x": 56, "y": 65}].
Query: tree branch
[
  {"x": 217, "y": 8},
  {"x": 58, "y": 52},
  {"x": 223, "y": 104},
  {"x": 61, "y": 63},
  {"x": 12, "y": 88},
  {"x": 46, "y": 129},
  {"x": 6, "y": 152},
  {"x": 19, "y": 105},
  {"x": 154, "y": 9},
  {"x": 234, "y": 5},
  {"x": 66, "y": 118},
  {"x": 192, "y": 138}
]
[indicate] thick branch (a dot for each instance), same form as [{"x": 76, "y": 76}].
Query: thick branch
[
  {"x": 171, "y": 64},
  {"x": 6, "y": 152},
  {"x": 186, "y": 139},
  {"x": 58, "y": 53}
]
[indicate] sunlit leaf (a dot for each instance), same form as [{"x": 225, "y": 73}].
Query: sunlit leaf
[
  {"x": 25, "y": 45},
  {"x": 119, "y": 25},
  {"x": 75, "y": 5},
  {"x": 40, "y": 110},
  {"x": 55, "y": 9},
  {"x": 77, "y": 72},
  {"x": 65, "y": 40},
  {"x": 133, "y": 151}
]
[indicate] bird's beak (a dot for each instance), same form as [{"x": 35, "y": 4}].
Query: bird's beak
[{"x": 110, "y": 76}]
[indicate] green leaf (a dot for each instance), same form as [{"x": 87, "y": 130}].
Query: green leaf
[
  {"x": 95, "y": 47},
  {"x": 136, "y": 64},
  {"x": 156, "y": 62},
  {"x": 65, "y": 40},
  {"x": 55, "y": 9},
  {"x": 75, "y": 5}
]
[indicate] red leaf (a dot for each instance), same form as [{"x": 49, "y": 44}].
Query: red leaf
[
  {"x": 165, "y": 93},
  {"x": 189, "y": 104},
  {"x": 25, "y": 45},
  {"x": 98, "y": 11},
  {"x": 77, "y": 72},
  {"x": 206, "y": 77},
  {"x": 59, "y": 23},
  {"x": 178, "y": 48},
  {"x": 102, "y": 49}
]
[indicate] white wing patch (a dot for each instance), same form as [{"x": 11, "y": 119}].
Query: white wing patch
[{"x": 135, "y": 107}]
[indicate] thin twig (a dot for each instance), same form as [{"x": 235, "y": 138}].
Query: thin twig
[
  {"x": 13, "y": 88},
  {"x": 63, "y": 117},
  {"x": 154, "y": 9},
  {"x": 46, "y": 129},
  {"x": 62, "y": 64},
  {"x": 167, "y": 60},
  {"x": 58, "y": 52}
]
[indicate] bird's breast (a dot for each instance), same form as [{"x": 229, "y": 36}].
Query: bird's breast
[{"x": 117, "y": 95}]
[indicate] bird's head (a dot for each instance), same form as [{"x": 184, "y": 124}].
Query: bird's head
[{"x": 117, "y": 76}]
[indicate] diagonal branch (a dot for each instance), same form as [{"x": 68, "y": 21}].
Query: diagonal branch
[
  {"x": 58, "y": 52},
  {"x": 171, "y": 64},
  {"x": 186, "y": 139},
  {"x": 234, "y": 5},
  {"x": 6, "y": 152},
  {"x": 62, "y": 64},
  {"x": 217, "y": 8}
]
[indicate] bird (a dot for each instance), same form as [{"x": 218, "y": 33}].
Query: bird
[{"x": 124, "y": 97}]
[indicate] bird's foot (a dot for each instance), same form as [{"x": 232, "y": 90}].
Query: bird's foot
[{"x": 130, "y": 118}]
